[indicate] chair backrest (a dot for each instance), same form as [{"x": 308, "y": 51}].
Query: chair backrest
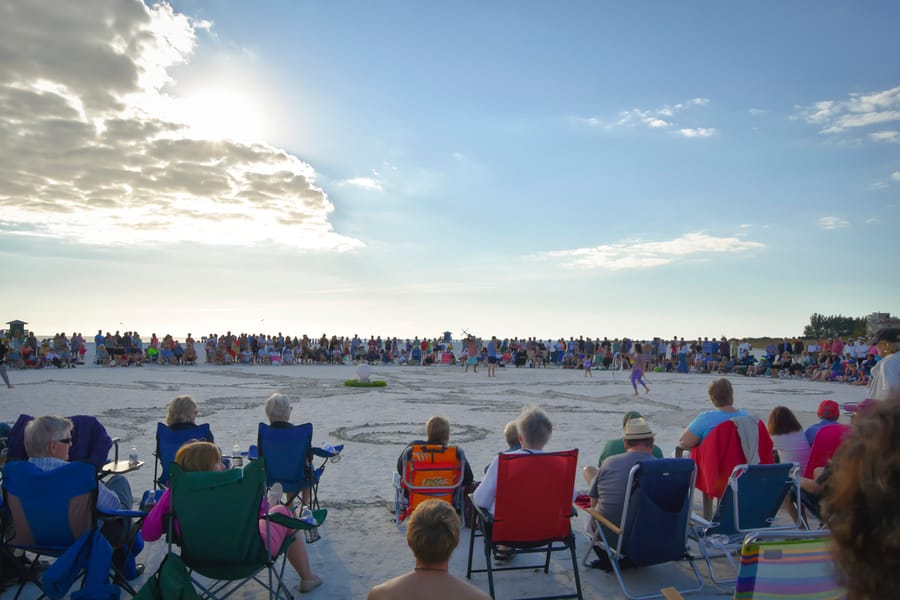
[
  {"x": 753, "y": 497},
  {"x": 169, "y": 440},
  {"x": 825, "y": 444},
  {"x": 534, "y": 497},
  {"x": 288, "y": 451},
  {"x": 90, "y": 441},
  {"x": 50, "y": 509},
  {"x": 431, "y": 471},
  {"x": 786, "y": 566},
  {"x": 721, "y": 451},
  {"x": 657, "y": 510},
  {"x": 218, "y": 519}
]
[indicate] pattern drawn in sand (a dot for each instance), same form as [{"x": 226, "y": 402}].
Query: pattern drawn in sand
[{"x": 395, "y": 434}]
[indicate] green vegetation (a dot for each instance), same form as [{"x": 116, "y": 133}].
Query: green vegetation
[
  {"x": 358, "y": 383},
  {"x": 821, "y": 326}
]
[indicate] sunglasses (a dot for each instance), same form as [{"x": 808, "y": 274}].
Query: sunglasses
[{"x": 67, "y": 440}]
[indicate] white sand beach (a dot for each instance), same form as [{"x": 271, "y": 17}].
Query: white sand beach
[{"x": 360, "y": 544}]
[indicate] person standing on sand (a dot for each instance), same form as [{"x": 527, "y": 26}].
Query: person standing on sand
[
  {"x": 4, "y": 350},
  {"x": 637, "y": 370},
  {"x": 432, "y": 534},
  {"x": 492, "y": 357}
]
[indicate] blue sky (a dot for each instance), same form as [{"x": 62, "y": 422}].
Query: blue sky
[{"x": 403, "y": 168}]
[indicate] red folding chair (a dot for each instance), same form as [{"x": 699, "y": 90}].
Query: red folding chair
[{"x": 532, "y": 513}]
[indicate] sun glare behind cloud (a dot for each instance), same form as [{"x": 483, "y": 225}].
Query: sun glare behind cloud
[{"x": 223, "y": 113}]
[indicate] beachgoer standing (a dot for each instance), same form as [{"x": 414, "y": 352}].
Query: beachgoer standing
[
  {"x": 637, "y": 370},
  {"x": 492, "y": 357},
  {"x": 4, "y": 350}
]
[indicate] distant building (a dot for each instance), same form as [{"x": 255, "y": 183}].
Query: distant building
[{"x": 876, "y": 321}]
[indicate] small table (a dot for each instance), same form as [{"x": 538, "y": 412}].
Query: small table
[{"x": 120, "y": 467}]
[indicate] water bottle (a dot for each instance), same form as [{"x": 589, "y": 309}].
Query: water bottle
[
  {"x": 133, "y": 457},
  {"x": 306, "y": 515},
  {"x": 236, "y": 459}
]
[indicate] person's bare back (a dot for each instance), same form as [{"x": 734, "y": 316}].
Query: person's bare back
[{"x": 434, "y": 585}]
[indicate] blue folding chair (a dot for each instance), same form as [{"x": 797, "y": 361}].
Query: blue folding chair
[
  {"x": 289, "y": 455},
  {"x": 753, "y": 496},
  {"x": 51, "y": 512},
  {"x": 655, "y": 516},
  {"x": 90, "y": 441},
  {"x": 168, "y": 441}
]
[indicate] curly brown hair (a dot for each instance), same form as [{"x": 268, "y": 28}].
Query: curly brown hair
[{"x": 860, "y": 504}]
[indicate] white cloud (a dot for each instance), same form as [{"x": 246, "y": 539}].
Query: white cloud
[
  {"x": 698, "y": 132},
  {"x": 654, "y": 118},
  {"x": 365, "y": 183},
  {"x": 891, "y": 137},
  {"x": 832, "y": 222},
  {"x": 643, "y": 255},
  {"x": 860, "y": 110},
  {"x": 89, "y": 156},
  {"x": 756, "y": 112},
  {"x": 895, "y": 175},
  {"x": 876, "y": 185}
]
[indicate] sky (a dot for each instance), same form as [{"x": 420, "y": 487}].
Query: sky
[{"x": 404, "y": 168}]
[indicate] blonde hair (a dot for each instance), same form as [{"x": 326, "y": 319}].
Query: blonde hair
[
  {"x": 181, "y": 410},
  {"x": 198, "y": 456},
  {"x": 511, "y": 434},
  {"x": 437, "y": 429},
  {"x": 433, "y": 531}
]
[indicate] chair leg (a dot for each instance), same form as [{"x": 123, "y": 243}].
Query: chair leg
[
  {"x": 571, "y": 544},
  {"x": 471, "y": 548}
]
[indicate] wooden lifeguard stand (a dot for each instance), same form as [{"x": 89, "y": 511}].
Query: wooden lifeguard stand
[{"x": 16, "y": 328}]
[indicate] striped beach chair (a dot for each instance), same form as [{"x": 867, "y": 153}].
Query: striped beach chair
[{"x": 787, "y": 565}]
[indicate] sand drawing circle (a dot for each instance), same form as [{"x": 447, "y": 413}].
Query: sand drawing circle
[{"x": 401, "y": 433}]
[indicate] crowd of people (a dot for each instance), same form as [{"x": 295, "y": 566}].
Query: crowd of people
[{"x": 857, "y": 490}]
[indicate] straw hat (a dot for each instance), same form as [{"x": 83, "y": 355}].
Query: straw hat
[{"x": 637, "y": 429}]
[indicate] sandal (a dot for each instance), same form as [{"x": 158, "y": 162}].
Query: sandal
[{"x": 503, "y": 554}]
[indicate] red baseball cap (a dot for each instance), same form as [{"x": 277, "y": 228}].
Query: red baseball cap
[{"x": 829, "y": 409}]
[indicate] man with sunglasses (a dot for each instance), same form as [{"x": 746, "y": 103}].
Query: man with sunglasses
[{"x": 47, "y": 443}]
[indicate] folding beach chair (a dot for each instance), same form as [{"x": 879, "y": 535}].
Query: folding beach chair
[
  {"x": 828, "y": 439},
  {"x": 168, "y": 441},
  {"x": 428, "y": 471},
  {"x": 90, "y": 441},
  {"x": 290, "y": 458},
  {"x": 54, "y": 514},
  {"x": 751, "y": 501},
  {"x": 654, "y": 524},
  {"x": 218, "y": 529},
  {"x": 532, "y": 513},
  {"x": 787, "y": 566},
  {"x": 720, "y": 452}
]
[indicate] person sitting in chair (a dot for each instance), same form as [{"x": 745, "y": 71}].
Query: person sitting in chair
[
  {"x": 47, "y": 443},
  {"x": 432, "y": 534},
  {"x": 437, "y": 430},
  {"x": 721, "y": 394},
  {"x": 608, "y": 483},
  {"x": 182, "y": 414},
  {"x": 204, "y": 456},
  {"x": 278, "y": 411}
]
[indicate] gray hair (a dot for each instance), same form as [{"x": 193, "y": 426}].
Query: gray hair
[
  {"x": 278, "y": 408},
  {"x": 43, "y": 430},
  {"x": 534, "y": 427}
]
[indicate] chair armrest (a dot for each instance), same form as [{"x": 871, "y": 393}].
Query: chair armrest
[
  {"x": 483, "y": 513},
  {"x": 117, "y": 514},
  {"x": 700, "y": 521},
  {"x": 292, "y": 523},
  {"x": 603, "y": 520}
]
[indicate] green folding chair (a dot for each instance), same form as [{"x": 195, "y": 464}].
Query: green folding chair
[{"x": 215, "y": 520}]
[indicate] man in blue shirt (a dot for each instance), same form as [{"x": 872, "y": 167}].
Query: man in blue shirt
[{"x": 828, "y": 413}]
